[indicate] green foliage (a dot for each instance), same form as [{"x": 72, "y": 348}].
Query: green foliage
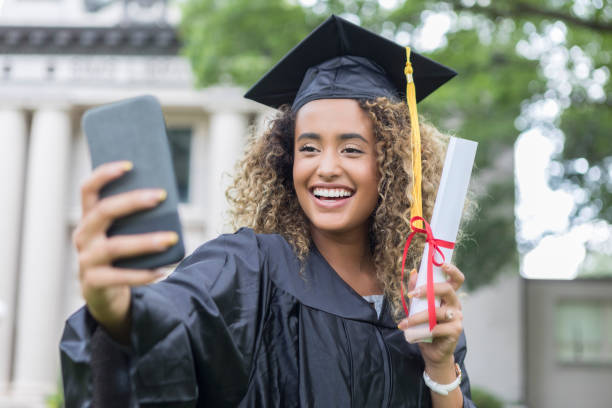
[
  {"x": 483, "y": 253},
  {"x": 588, "y": 128},
  {"x": 238, "y": 40},
  {"x": 56, "y": 400},
  {"x": 230, "y": 41},
  {"x": 596, "y": 265},
  {"x": 484, "y": 399}
]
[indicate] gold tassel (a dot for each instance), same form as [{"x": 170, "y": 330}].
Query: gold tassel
[{"x": 416, "y": 209}]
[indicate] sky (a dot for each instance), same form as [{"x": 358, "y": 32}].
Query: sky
[{"x": 541, "y": 209}]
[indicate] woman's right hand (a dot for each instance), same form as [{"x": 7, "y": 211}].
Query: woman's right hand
[{"x": 105, "y": 288}]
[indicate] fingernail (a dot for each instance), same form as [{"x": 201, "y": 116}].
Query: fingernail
[
  {"x": 167, "y": 239},
  {"x": 413, "y": 293},
  {"x": 413, "y": 271},
  {"x": 154, "y": 196},
  {"x": 127, "y": 165},
  {"x": 172, "y": 238}
]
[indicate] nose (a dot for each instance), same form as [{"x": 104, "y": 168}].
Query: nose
[{"x": 329, "y": 165}]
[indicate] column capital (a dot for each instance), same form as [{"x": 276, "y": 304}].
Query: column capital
[
  {"x": 52, "y": 106},
  {"x": 228, "y": 99},
  {"x": 7, "y": 106}
]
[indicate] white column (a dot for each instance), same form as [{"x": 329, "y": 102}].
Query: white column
[
  {"x": 13, "y": 140},
  {"x": 262, "y": 119},
  {"x": 227, "y": 142},
  {"x": 36, "y": 365}
]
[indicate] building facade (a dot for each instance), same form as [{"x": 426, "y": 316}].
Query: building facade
[
  {"x": 60, "y": 57},
  {"x": 568, "y": 328}
]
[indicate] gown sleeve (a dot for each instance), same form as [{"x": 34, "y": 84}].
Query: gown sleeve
[
  {"x": 193, "y": 335},
  {"x": 460, "y": 352}
]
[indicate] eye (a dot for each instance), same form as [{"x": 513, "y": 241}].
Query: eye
[
  {"x": 307, "y": 149},
  {"x": 351, "y": 150}
]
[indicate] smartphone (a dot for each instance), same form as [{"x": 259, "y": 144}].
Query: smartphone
[{"x": 135, "y": 130}]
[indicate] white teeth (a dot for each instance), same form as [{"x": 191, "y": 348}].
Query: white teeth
[{"x": 332, "y": 192}]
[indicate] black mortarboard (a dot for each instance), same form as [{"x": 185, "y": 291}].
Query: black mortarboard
[{"x": 342, "y": 60}]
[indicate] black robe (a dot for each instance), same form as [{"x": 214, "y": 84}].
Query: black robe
[{"x": 239, "y": 323}]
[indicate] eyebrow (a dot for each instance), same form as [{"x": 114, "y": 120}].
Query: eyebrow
[
  {"x": 343, "y": 136},
  {"x": 346, "y": 136}
]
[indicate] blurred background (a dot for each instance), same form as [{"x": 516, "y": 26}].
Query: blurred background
[{"x": 533, "y": 89}]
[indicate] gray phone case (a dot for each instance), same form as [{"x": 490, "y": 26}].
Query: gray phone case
[{"x": 134, "y": 130}]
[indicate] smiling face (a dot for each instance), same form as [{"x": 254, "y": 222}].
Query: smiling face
[{"x": 334, "y": 169}]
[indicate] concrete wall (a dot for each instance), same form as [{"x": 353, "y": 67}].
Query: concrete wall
[
  {"x": 549, "y": 382},
  {"x": 494, "y": 330}
]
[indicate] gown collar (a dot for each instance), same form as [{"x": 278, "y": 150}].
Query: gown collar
[{"x": 318, "y": 285}]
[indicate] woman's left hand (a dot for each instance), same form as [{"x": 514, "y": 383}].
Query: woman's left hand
[{"x": 449, "y": 318}]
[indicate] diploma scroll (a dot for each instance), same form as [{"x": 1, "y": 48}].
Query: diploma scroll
[{"x": 445, "y": 221}]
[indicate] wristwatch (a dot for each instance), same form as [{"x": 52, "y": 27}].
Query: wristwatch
[{"x": 443, "y": 389}]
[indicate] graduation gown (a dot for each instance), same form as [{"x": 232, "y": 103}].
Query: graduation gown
[{"x": 240, "y": 323}]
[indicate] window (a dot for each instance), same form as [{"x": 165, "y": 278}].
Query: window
[
  {"x": 180, "y": 147},
  {"x": 584, "y": 331}
]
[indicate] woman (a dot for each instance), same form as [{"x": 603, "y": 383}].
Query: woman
[{"x": 280, "y": 314}]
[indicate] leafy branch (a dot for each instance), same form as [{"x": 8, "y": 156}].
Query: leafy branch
[{"x": 522, "y": 9}]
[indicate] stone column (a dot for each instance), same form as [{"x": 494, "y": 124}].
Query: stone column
[
  {"x": 13, "y": 141},
  {"x": 36, "y": 365},
  {"x": 262, "y": 119},
  {"x": 227, "y": 138}
]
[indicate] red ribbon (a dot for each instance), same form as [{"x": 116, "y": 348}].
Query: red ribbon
[{"x": 434, "y": 245}]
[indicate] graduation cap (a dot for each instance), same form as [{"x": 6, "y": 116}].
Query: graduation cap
[{"x": 340, "y": 60}]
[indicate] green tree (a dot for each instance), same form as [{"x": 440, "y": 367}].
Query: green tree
[{"x": 510, "y": 56}]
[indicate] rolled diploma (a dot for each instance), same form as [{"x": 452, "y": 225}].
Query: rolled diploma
[{"x": 445, "y": 220}]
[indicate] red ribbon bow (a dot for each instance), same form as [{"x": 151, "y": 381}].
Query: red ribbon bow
[{"x": 434, "y": 244}]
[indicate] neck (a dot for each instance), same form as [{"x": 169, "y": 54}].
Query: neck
[{"x": 349, "y": 255}]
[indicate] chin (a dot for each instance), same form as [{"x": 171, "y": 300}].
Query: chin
[{"x": 338, "y": 227}]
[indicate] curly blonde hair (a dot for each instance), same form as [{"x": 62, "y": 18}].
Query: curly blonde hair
[{"x": 263, "y": 197}]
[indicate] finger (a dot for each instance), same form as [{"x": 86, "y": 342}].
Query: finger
[
  {"x": 412, "y": 279},
  {"x": 107, "y": 210},
  {"x": 415, "y": 319},
  {"x": 444, "y": 290},
  {"x": 107, "y": 276},
  {"x": 448, "y": 314},
  {"x": 451, "y": 329},
  {"x": 455, "y": 276},
  {"x": 443, "y": 314},
  {"x": 124, "y": 246},
  {"x": 102, "y": 175}
]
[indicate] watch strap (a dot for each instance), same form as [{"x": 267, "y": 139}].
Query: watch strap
[{"x": 443, "y": 389}]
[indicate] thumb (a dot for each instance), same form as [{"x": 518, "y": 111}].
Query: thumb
[{"x": 412, "y": 280}]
